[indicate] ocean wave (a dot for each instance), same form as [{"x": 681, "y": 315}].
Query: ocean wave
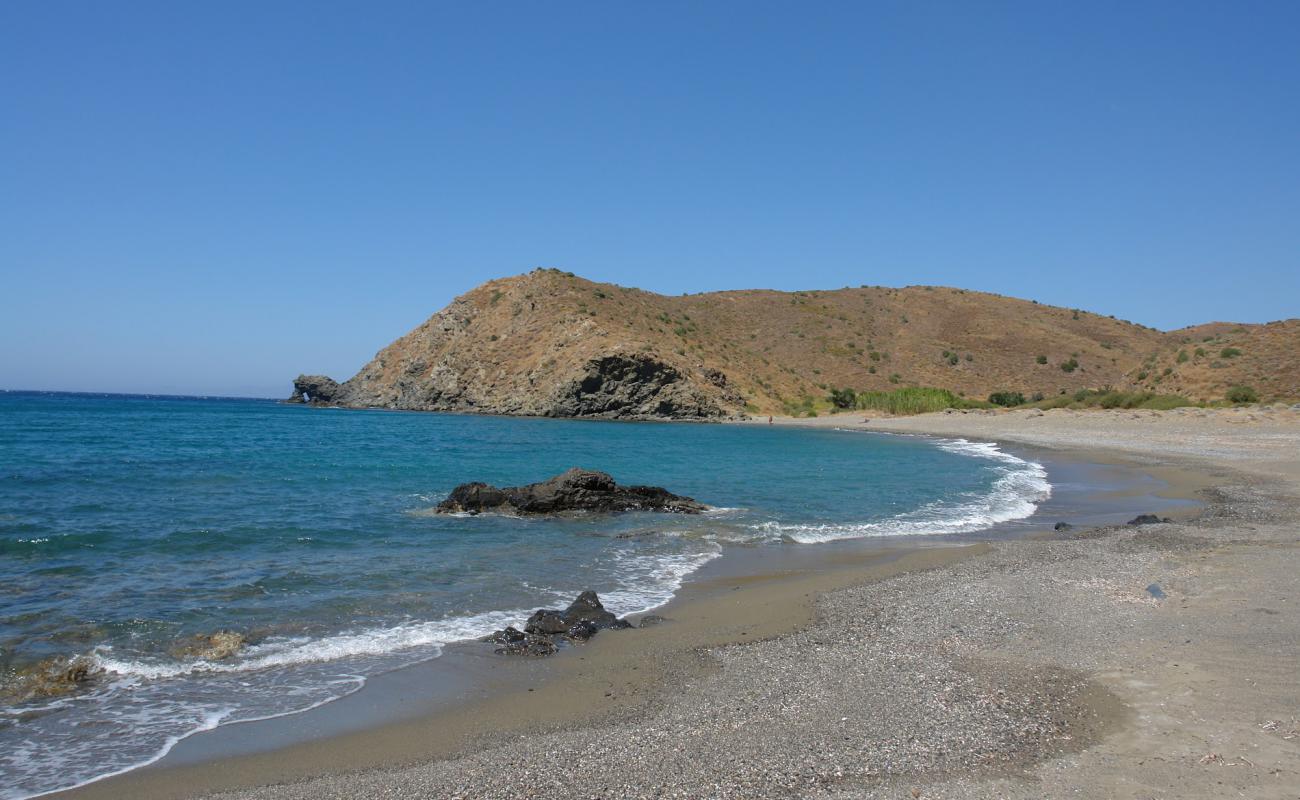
[
  {"x": 1015, "y": 494},
  {"x": 656, "y": 578},
  {"x": 429, "y": 637}
]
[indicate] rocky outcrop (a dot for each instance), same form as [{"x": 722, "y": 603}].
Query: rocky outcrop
[
  {"x": 632, "y": 386},
  {"x": 316, "y": 390},
  {"x": 548, "y": 628},
  {"x": 575, "y": 490}
]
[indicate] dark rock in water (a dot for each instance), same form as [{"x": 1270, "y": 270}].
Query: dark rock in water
[
  {"x": 574, "y": 490},
  {"x": 510, "y": 635},
  {"x": 547, "y": 622},
  {"x": 1155, "y": 591},
  {"x": 1147, "y": 519},
  {"x": 650, "y": 620},
  {"x": 1063, "y": 526},
  {"x": 547, "y": 628},
  {"x": 530, "y": 645},
  {"x": 581, "y": 631},
  {"x": 589, "y": 608},
  {"x": 316, "y": 390}
]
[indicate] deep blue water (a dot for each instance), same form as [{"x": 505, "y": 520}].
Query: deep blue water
[{"x": 130, "y": 523}]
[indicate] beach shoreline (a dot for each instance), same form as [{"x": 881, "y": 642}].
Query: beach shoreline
[{"x": 616, "y": 683}]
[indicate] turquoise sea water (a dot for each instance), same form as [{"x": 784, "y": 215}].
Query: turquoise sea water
[{"x": 128, "y": 524}]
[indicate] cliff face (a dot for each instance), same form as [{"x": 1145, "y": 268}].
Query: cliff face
[{"x": 551, "y": 344}]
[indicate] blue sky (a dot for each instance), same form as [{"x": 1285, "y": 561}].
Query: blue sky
[{"x": 211, "y": 198}]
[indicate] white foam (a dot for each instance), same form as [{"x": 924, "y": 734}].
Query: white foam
[
  {"x": 1014, "y": 495},
  {"x": 430, "y": 637},
  {"x": 657, "y": 577}
]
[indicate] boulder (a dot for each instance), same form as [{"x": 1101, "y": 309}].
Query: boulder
[
  {"x": 575, "y": 490},
  {"x": 547, "y": 628},
  {"x": 587, "y": 607},
  {"x": 547, "y": 622},
  {"x": 1063, "y": 526}
]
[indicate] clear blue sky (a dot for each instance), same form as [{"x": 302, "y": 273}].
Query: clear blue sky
[{"x": 213, "y": 197}]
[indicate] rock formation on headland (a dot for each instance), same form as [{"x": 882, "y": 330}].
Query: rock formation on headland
[
  {"x": 574, "y": 490},
  {"x": 551, "y": 344}
]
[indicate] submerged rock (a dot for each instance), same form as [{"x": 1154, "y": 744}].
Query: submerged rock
[
  {"x": 575, "y": 490},
  {"x": 53, "y": 677},
  {"x": 1147, "y": 519},
  {"x": 547, "y": 627},
  {"x": 211, "y": 647}
]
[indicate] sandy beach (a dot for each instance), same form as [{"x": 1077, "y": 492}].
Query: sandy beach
[{"x": 1122, "y": 661}]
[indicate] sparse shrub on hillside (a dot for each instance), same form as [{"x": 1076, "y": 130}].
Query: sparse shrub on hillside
[
  {"x": 970, "y": 357},
  {"x": 872, "y": 370},
  {"x": 1142, "y": 375},
  {"x": 1007, "y": 399},
  {"x": 895, "y": 378},
  {"x": 1242, "y": 394},
  {"x": 1229, "y": 352},
  {"x": 1182, "y": 357},
  {"x": 1041, "y": 359},
  {"x": 1070, "y": 366},
  {"x": 1110, "y": 398},
  {"x": 1200, "y": 352},
  {"x": 953, "y": 360}
]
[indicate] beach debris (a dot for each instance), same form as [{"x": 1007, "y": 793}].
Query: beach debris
[
  {"x": 576, "y": 489},
  {"x": 650, "y": 620},
  {"x": 547, "y": 627},
  {"x": 1155, "y": 591},
  {"x": 216, "y": 646},
  {"x": 1148, "y": 519}
]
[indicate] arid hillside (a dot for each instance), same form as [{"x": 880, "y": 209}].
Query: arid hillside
[{"x": 548, "y": 343}]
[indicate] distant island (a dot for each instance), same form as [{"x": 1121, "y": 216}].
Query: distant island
[{"x": 549, "y": 343}]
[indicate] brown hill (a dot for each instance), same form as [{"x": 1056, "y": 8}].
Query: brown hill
[{"x": 551, "y": 344}]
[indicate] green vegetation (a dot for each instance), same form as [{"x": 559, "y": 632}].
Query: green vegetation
[
  {"x": 953, "y": 359},
  {"x": 843, "y": 398},
  {"x": 1070, "y": 366},
  {"x": 1007, "y": 399},
  {"x": 1113, "y": 398},
  {"x": 1229, "y": 352},
  {"x": 1041, "y": 359},
  {"x": 912, "y": 400},
  {"x": 1242, "y": 394},
  {"x": 1182, "y": 357}
]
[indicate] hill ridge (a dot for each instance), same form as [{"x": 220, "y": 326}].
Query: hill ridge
[{"x": 549, "y": 343}]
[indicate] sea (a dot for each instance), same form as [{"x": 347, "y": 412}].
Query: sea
[{"x": 131, "y": 524}]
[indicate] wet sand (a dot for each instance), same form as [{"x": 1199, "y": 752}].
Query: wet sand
[{"x": 1033, "y": 667}]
